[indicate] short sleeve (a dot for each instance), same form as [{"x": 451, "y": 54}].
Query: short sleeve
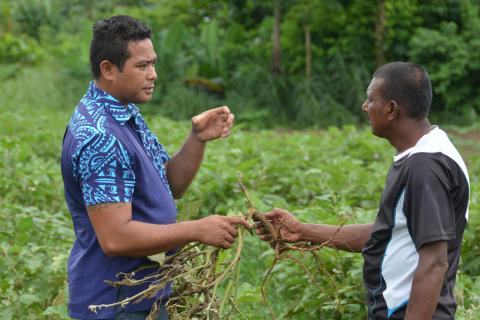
[
  {"x": 428, "y": 206},
  {"x": 103, "y": 168},
  {"x": 159, "y": 154}
]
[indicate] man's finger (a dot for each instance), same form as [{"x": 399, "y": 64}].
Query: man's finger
[
  {"x": 224, "y": 117},
  {"x": 229, "y": 238},
  {"x": 225, "y": 133},
  {"x": 222, "y": 110},
  {"x": 239, "y": 220},
  {"x": 226, "y": 109},
  {"x": 232, "y": 231},
  {"x": 260, "y": 232},
  {"x": 266, "y": 238},
  {"x": 230, "y": 120},
  {"x": 226, "y": 244},
  {"x": 274, "y": 215}
]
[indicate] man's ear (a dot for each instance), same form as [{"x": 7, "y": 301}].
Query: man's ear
[
  {"x": 393, "y": 111},
  {"x": 108, "y": 70}
]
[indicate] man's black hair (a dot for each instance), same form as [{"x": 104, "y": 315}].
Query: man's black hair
[
  {"x": 110, "y": 40},
  {"x": 409, "y": 85}
]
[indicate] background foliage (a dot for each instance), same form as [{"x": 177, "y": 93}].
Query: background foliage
[{"x": 222, "y": 52}]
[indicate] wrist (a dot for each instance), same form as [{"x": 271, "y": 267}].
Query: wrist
[
  {"x": 194, "y": 137},
  {"x": 301, "y": 231},
  {"x": 192, "y": 230}
]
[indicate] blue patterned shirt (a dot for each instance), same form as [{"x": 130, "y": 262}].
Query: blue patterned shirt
[{"x": 110, "y": 155}]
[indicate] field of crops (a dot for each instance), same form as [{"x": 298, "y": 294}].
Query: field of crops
[{"x": 321, "y": 176}]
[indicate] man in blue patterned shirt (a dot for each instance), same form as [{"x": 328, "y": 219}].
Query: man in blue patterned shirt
[{"x": 119, "y": 181}]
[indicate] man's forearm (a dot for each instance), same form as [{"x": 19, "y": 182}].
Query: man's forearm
[
  {"x": 139, "y": 239},
  {"x": 120, "y": 235},
  {"x": 349, "y": 237},
  {"x": 184, "y": 165},
  {"x": 427, "y": 281}
]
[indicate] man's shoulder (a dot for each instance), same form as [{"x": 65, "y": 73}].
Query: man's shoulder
[
  {"x": 86, "y": 113},
  {"x": 425, "y": 162},
  {"x": 88, "y": 120},
  {"x": 437, "y": 148},
  {"x": 423, "y": 166},
  {"x": 89, "y": 131},
  {"x": 421, "y": 159}
]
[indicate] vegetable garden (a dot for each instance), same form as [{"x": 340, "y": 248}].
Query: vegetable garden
[
  {"x": 294, "y": 73},
  {"x": 320, "y": 175}
]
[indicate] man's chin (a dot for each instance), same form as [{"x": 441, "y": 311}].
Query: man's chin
[
  {"x": 377, "y": 134},
  {"x": 143, "y": 99}
]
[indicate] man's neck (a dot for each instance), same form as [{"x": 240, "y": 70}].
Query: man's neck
[
  {"x": 407, "y": 135},
  {"x": 104, "y": 85}
]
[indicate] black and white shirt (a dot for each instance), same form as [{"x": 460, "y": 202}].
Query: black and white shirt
[{"x": 425, "y": 199}]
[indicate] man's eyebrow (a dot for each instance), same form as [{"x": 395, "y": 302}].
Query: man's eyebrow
[{"x": 147, "y": 61}]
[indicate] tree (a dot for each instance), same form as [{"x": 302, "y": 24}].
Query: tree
[
  {"x": 379, "y": 34},
  {"x": 276, "y": 53}
]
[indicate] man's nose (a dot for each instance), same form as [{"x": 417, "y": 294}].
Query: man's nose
[
  {"x": 364, "y": 106},
  {"x": 152, "y": 75}
]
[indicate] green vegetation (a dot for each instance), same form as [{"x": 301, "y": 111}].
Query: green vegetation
[
  {"x": 318, "y": 174},
  {"x": 221, "y": 52},
  {"x": 314, "y": 73}
]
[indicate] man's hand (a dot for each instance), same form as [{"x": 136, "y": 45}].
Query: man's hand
[
  {"x": 213, "y": 124},
  {"x": 218, "y": 231},
  {"x": 288, "y": 226},
  {"x": 349, "y": 238},
  {"x": 184, "y": 165}
]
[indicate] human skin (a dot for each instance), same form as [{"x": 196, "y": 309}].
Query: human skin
[{"x": 113, "y": 224}]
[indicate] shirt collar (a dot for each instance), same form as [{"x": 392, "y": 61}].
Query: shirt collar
[
  {"x": 419, "y": 142},
  {"x": 116, "y": 109}
]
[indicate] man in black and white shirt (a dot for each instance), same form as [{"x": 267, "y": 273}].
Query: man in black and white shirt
[{"x": 411, "y": 252}]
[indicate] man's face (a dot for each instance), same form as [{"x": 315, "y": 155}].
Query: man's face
[
  {"x": 134, "y": 84},
  {"x": 375, "y": 108}
]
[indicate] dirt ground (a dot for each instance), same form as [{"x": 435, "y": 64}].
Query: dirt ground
[{"x": 468, "y": 142}]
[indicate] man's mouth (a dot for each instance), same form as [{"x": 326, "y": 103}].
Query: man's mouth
[
  {"x": 367, "y": 117},
  {"x": 148, "y": 89}
]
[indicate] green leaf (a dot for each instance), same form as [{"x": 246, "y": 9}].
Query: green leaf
[
  {"x": 29, "y": 299},
  {"x": 34, "y": 263},
  {"x": 6, "y": 314},
  {"x": 23, "y": 228},
  {"x": 248, "y": 294},
  {"x": 60, "y": 310}
]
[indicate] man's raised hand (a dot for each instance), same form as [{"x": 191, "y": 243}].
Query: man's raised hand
[{"x": 213, "y": 124}]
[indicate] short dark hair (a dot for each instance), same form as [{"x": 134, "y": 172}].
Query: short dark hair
[
  {"x": 409, "y": 85},
  {"x": 110, "y": 40}
]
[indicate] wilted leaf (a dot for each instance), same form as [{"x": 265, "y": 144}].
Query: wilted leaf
[{"x": 159, "y": 257}]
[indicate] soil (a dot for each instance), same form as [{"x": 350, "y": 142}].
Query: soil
[{"x": 468, "y": 142}]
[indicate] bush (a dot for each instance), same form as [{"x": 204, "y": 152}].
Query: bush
[
  {"x": 451, "y": 55},
  {"x": 21, "y": 50}
]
